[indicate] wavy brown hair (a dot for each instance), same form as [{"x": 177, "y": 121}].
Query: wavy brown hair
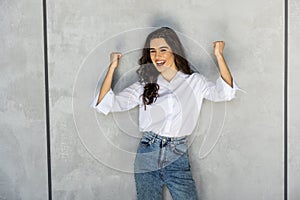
[{"x": 148, "y": 73}]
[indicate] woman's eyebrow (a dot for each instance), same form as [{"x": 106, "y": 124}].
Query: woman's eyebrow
[{"x": 163, "y": 47}]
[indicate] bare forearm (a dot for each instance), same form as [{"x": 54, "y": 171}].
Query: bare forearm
[
  {"x": 106, "y": 85},
  {"x": 224, "y": 70}
]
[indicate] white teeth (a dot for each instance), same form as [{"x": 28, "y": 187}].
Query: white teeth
[{"x": 160, "y": 62}]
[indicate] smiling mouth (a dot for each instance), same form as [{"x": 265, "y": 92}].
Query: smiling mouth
[{"x": 160, "y": 63}]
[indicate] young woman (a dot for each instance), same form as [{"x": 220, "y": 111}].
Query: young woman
[{"x": 169, "y": 96}]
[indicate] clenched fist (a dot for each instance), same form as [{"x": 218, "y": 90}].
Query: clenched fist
[
  {"x": 218, "y": 47},
  {"x": 114, "y": 59}
]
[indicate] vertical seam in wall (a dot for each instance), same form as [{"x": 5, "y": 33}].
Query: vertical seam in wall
[
  {"x": 286, "y": 99},
  {"x": 47, "y": 100}
]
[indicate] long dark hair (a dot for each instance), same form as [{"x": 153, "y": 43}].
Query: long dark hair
[{"x": 148, "y": 73}]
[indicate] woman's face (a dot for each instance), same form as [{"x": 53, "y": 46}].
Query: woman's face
[{"x": 161, "y": 55}]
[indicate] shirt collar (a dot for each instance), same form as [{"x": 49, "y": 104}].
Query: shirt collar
[{"x": 178, "y": 76}]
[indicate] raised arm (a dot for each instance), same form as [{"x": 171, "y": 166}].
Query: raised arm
[
  {"x": 224, "y": 70},
  {"x": 106, "y": 85},
  {"x": 224, "y": 88}
]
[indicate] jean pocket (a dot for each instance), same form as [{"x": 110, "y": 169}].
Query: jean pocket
[{"x": 180, "y": 148}]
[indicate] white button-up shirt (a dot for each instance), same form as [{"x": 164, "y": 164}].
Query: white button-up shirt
[{"x": 176, "y": 110}]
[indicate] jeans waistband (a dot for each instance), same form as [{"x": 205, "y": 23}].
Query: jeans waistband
[{"x": 164, "y": 138}]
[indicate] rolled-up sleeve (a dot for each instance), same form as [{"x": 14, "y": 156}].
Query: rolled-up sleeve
[
  {"x": 219, "y": 91},
  {"x": 124, "y": 100}
]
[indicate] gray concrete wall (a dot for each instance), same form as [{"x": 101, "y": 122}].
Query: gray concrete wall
[
  {"x": 293, "y": 97},
  {"x": 23, "y": 172},
  {"x": 93, "y": 155},
  {"x": 237, "y": 148}
]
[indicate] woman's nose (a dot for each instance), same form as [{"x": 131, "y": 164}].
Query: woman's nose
[{"x": 157, "y": 55}]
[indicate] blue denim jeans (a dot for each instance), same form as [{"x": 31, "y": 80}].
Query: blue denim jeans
[{"x": 163, "y": 161}]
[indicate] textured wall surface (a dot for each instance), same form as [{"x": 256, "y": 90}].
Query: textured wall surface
[
  {"x": 294, "y": 98},
  {"x": 237, "y": 148},
  {"x": 23, "y": 172},
  {"x": 93, "y": 154}
]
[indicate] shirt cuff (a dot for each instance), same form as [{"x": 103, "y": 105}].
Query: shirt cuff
[
  {"x": 228, "y": 90},
  {"x": 225, "y": 84},
  {"x": 105, "y": 104}
]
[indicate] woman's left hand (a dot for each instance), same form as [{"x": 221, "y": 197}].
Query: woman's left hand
[{"x": 219, "y": 47}]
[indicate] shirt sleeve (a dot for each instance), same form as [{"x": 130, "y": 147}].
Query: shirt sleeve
[
  {"x": 218, "y": 91},
  {"x": 123, "y": 101}
]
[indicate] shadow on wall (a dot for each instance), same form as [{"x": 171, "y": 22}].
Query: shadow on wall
[{"x": 166, "y": 21}]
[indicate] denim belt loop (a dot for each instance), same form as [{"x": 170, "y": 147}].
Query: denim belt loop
[{"x": 153, "y": 139}]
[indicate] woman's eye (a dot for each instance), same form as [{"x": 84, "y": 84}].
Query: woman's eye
[
  {"x": 152, "y": 51},
  {"x": 163, "y": 50}
]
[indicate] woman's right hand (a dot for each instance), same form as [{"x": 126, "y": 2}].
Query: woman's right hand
[{"x": 114, "y": 59}]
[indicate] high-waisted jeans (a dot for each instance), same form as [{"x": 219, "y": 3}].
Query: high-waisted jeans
[{"x": 163, "y": 161}]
